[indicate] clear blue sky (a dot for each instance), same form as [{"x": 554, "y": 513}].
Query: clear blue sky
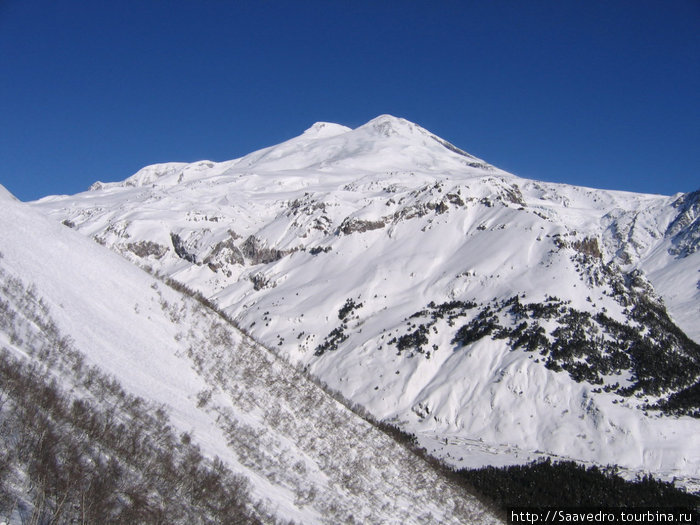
[{"x": 597, "y": 93}]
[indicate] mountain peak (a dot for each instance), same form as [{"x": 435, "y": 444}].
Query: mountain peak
[
  {"x": 384, "y": 143},
  {"x": 325, "y": 129},
  {"x": 389, "y": 125}
]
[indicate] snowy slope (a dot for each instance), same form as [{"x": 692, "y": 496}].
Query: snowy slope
[
  {"x": 308, "y": 458},
  {"x": 333, "y": 245}
]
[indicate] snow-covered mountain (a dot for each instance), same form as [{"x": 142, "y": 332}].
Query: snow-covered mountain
[
  {"x": 497, "y": 318},
  {"x": 89, "y": 331}
]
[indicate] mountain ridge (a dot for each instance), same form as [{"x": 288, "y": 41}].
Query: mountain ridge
[{"x": 329, "y": 248}]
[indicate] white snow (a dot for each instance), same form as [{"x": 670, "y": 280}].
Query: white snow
[
  {"x": 394, "y": 217},
  {"x": 295, "y": 444}
]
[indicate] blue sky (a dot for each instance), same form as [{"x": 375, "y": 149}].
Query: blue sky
[{"x": 601, "y": 94}]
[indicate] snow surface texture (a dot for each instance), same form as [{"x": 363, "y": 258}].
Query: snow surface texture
[
  {"x": 391, "y": 218},
  {"x": 307, "y": 457}
]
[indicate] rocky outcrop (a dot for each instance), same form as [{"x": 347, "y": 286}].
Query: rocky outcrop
[
  {"x": 352, "y": 225},
  {"x": 145, "y": 249},
  {"x": 588, "y": 246},
  {"x": 512, "y": 194},
  {"x": 223, "y": 255},
  {"x": 256, "y": 251},
  {"x": 684, "y": 230},
  {"x": 181, "y": 248},
  {"x": 260, "y": 281}
]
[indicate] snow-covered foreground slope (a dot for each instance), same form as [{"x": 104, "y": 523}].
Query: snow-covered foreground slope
[
  {"x": 400, "y": 270},
  {"x": 307, "y": 458}
]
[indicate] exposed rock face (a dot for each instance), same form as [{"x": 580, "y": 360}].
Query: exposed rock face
[
  {"x": 224, "y": 254},
  {"x": 352, "y": 225},
  {"x": 145, "y": 249},
  {"x": 260, "y": 281},
  {"x": 512, "y": 194},
  {"x": 257, "y": 252},
  {"x": 181, "y": 248},
  {"x": 685, "y": 228},
  {"x": 588, "y": 246}
]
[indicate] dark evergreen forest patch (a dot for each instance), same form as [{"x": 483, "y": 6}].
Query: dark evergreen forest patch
[
  {"x": 649, "y": 349},
  {"x": 567, "y": 484},
  {"x": 338, "y": 335}
]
